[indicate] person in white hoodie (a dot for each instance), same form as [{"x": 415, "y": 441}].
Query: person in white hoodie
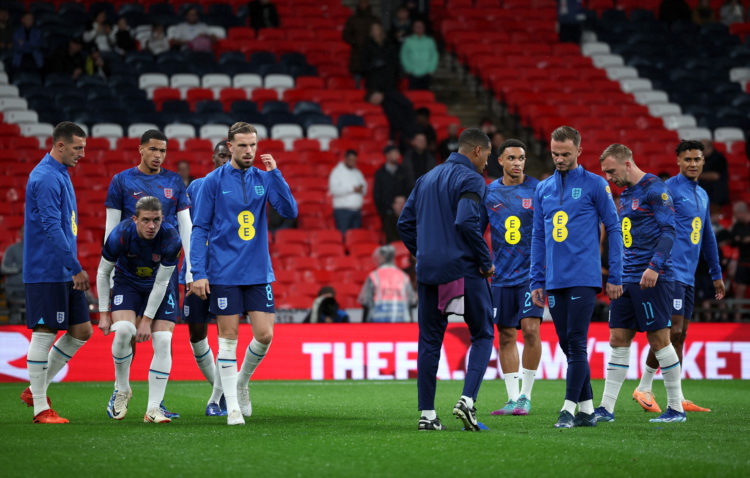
[{"x": 347, "y": 187}]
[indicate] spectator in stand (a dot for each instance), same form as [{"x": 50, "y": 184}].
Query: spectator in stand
[
  {"x": 12, "y": 268},
  {"x": 356, "y": 30},
  {"x": 121, "y": 38},
  {"x": 487, "y": 127},
  {"x": 325, "y": 308},
  {"x": 68, "y": 59},
  {"x": 450, "y": 144},
  {"x": 347, "y": 186},
  {"x": 263, "y": 14},
  {"x": 741, "y": 239},
  {"x": 570, "y": 18},
  {"x": 422, "y": 115},
  {"x": 399, "y": 111},
  {"x": 6, "y": 30},
  {"x": 732, "y": 12},
  {"x": 494, "y": 170},
  {"x": 27, "y": 46},
  {"x": 419, "y": 57},
  {"x": 157, "y": 42},
  {"x": 379, "y": 61},
  {"x": 95, "y": 64},
  {"x": 704, "y": 286},
  {"x": 703, "y": 13},
  {"x": 387, "y": 294},
  {"x": 671, "y": 11},
  {"x": 715, "y": 176},
  {"x": 183, "y": 169},
  {"x": 418, "y": 159},
  {"x": 389, "y": 191},
  {"x": 401, "y": 26},
  {"x": 191, "y": 34},
  {"x": 100, "y": 32}
]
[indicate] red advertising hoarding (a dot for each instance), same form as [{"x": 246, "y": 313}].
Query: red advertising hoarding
[{"x": 383, "y": 352}]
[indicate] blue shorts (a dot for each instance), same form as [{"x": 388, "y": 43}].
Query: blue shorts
[
  {"x": 195, "y": 310},
  {"x": 55, "y": 305},
  {"x": 127, "y": 296},
  {"x": 511, "y": 304},
  {"x": 644, "y": 310},
  {"x": 683, "y": 297},
  {"x": 238, "y": 299}
]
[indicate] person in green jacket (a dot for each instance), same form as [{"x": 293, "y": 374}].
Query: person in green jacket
[{"x": 419, "y": 57}]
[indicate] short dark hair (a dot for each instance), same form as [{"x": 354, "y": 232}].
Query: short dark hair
[
  {"x": 66, "y": 130},
  {"x": 472, "y": 137},
  {"x": 240, "y": 128},
  {"x": 150, "y": 134},
  {"x": 147, "y": 203},
  {"x": 351, "y": 151},
  {"x": 618, "y": 151},
  {"x": 511, "y": 143},
  {"x": 688, "y": 144},
  {"x": 218, "y": 146},
  {"x": 564, "y": 133}
]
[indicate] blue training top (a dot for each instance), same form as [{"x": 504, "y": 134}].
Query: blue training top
[
  {"x": 230, "y": 225},
  {"x": 50, "y": 225},
  {"x": 442, "y": 222},
  {"x": 647, "y": 221},
  {"x": 511, "y": 213},
  {"x": 568, "y": 209},
  {"x": 128, "y": 186},
  {"x": 693, "y": 230},
  {"x": 136, "y": 258}
]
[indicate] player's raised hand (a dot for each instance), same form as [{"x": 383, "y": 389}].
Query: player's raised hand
[
  {"x": 614, "y": 291},
  {"x": 268, "y": 162},
  {"x": 105, "y": 322},
  {"x": 649, "y": 278},
  {"x": 200, "y": 288},
  {"x": 81, "y": 281},
  {"x": 143, "y": 332},
  {"x": 720, "y": 289},
  {"x": 537, "y": 297}
]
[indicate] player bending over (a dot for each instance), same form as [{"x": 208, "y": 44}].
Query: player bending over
[{"x": 144, "y": 253}]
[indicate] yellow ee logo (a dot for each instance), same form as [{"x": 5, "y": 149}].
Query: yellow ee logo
[
  {"x": 512, "y": 230},
  {"x": 608, "y": 189},
  {"x": 73, "y": 225},
  {"x": 695, "y": 234},
  {"x": 144, "y": 272},
  {"x": 246, "y": 221},
  {"x": 559, "y": 231},
  {"x": 627, "y": 238}
]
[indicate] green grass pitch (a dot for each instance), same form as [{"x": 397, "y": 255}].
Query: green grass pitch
[{"x": 370, "y": 429}]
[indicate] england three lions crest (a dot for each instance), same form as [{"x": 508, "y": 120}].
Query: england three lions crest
[
  {"x": 634, "y": 204},
  {"x": 168, "y": 193},
  {"x": 576, "y": 193},
  {"x": 526, "y": 203},
  {"x": 222, "y": 303}
]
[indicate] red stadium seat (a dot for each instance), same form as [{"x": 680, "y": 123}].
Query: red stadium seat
[
  {"x": 165, "y": 94},
  {"x": 227, "y": 96},
  {"x": 362, "y": 249},
  {"x": 325, "y": 236},
  {"x": 291, "y": 236}
]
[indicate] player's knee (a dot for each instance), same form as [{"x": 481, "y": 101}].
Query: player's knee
[
  {"x": 198, "y": 333},
  {"x": 264, "y": 336},
  {"x": 162, "y": 342}
]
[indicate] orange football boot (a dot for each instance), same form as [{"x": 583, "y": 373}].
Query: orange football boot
[
  {"x": 689, "y": 406},
  {"x": 49, "y": 416},
  {"x": 646, "y": 400},
  {"x": 28, "y": 399}
]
